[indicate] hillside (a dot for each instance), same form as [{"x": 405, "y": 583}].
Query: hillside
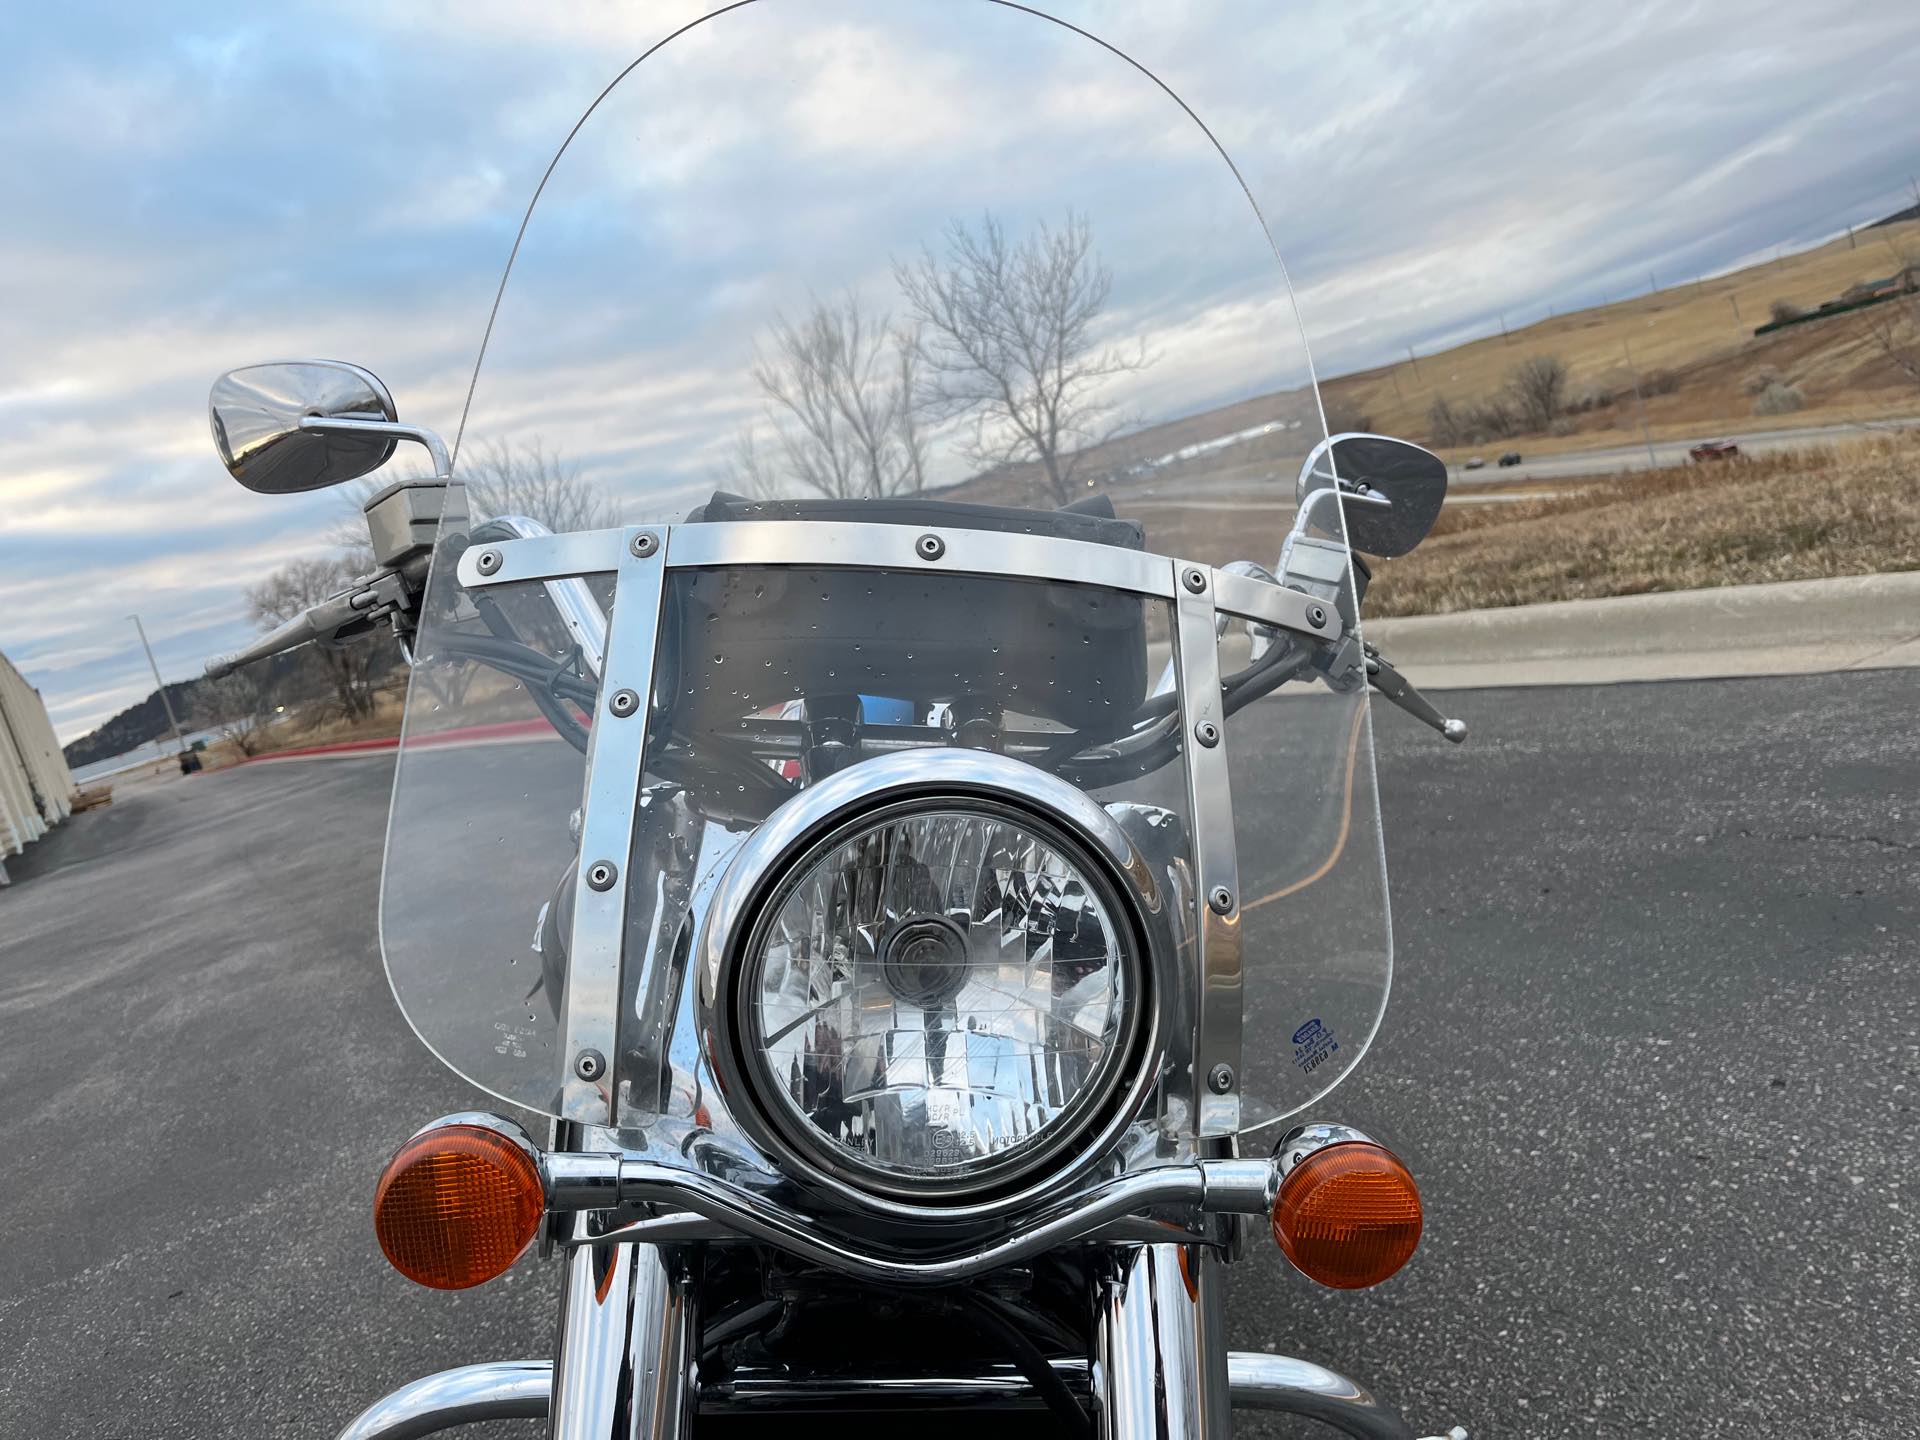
[
  {"x": 1693, "y": 356},
  {"x": 133, "y": 726},
  {"x": 296, "y": 681},
  {"x": 1692, "y": 346}
]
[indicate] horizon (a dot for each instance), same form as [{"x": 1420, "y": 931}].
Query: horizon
[{"x": 150, "y": 257}]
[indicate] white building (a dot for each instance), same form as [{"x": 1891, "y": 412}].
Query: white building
[{"x": 36, "y": 791}]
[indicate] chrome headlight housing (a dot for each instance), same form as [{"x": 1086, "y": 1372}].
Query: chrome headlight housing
[{"x": 927, "y": 978}]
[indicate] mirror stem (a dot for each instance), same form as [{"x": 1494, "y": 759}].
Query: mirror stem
[{"x": 340, "y": 425}]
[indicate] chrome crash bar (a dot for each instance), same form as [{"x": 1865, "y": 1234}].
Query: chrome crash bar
[{"x": 522, "y": 1389}]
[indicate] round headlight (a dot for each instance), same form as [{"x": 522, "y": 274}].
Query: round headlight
[{"x": 938, "y": 997}]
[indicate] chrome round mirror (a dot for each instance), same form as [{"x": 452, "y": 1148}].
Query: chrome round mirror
[
  {"x": 256, "y": 414},
  {"x": 1391, "y": 490}
]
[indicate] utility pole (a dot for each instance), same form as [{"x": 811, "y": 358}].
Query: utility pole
[
  {"x": 1640, "y": 402},
  {"x": 1734, "y": 300},
  {"x": 161, "y": 685},
  {"x": 1413, "y": 360},
  {"x": 1505, "y": 338}
]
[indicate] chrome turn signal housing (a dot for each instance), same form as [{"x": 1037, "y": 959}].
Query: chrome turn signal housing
[
  {"x": 460, "y": 1202},
  {"x": 1348, "y": 1213}
]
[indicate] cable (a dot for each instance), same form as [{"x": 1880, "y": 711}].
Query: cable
[
  {"x": 738, "y": 1324},
  {"x": 1032, "y": 1364}
]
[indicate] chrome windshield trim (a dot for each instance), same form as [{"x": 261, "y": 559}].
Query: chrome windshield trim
[
  {"x": 590, "y": 1008},
  {"x": 579, "y": 611},
  {"x": 869, "y": 546},
  {"x": 901, "y": 547},
  {"x": 1215, "y": 1085}
]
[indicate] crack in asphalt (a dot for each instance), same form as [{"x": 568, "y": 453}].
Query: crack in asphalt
[{"x": 1875, "y": 840}]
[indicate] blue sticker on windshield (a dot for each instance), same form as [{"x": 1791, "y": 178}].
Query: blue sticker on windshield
[{"x": 1313, "y": 1043}]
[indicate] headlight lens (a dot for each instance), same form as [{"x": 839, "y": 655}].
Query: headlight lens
[{"x": 940, "y": 998}]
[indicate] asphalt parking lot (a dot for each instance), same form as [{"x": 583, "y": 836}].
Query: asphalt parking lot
[{"x": 1652, "y": 1052}]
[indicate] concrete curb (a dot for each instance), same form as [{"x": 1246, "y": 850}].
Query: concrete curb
[{"x": 1794, "y": 627}]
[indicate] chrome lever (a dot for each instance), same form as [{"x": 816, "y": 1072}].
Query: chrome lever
[{"x": 1400, "y": 690}]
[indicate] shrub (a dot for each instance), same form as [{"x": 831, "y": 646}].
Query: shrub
[
  {"x": 1491, "y": 420},
  {"x": 1538, "y": 388},
  {"x": 1759, "y": 381},
  {"x": 1779, "y": 399},
  {"x": 1444, "y": 424},
  {"x": 1783, "y": 311}
]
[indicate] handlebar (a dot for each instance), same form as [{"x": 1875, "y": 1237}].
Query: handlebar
[{"x": 322, "y": 622}]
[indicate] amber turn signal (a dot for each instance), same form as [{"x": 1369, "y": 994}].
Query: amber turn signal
[
  {"x": 1348, "y": 1215},
  {"x": 458, "y": 1204}
]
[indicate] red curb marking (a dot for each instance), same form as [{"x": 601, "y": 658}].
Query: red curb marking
[{"x": 466, "y": 735}]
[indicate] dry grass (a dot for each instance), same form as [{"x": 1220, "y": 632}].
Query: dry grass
[
  {"x": 301, "y": 731},
  {"x": 1690, "y": 330},
  {"x": 1790, "y": 517}
]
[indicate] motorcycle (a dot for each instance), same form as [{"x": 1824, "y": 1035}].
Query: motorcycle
[{"x": 918, "y": 884}]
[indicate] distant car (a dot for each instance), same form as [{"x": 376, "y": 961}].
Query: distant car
[
  {"x": 1512, "y": 457},
  {"x": 1478, "y": 462},
  {"x": 1714, "y": 450}
]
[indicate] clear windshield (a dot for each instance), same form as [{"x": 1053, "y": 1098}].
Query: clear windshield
[{"x": 870, "y": 261}]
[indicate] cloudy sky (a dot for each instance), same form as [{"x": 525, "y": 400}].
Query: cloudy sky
[{"x": 194, "y": 188}]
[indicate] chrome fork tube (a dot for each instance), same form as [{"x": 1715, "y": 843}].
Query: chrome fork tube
[
  {"x": 663, "y": 1348},
  {"x": 1160, "y": 1347},
  {"x": 628, "y": 1345},
  {"x": 595, "y": 1305}
]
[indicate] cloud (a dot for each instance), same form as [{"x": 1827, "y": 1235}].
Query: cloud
[{"x": 193, "y": 191}]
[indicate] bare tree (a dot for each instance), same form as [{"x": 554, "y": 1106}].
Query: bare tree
[
  {"x": 504, "y": 479},
  {"x": 839, "y": 386},
  {"x": 906, "y": 425},
  {"x": 749, "y": 469},
  {"x": 1538, "y": 386},
  {"x": 1445, "y": 425},
  {"x": 237, "y": 705},
  {"x": 1782, "y": 311},
  {"x": 1006, "y": 337},
  {"x": 295, "y": 587},
  {"x": 1346, "y": 418},
  {"x": 1895, "y": 328}
]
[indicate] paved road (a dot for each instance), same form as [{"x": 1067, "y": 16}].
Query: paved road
[
  {"x": 1665, "y": 452},
  {"x": 1652, "y": 1052}
]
